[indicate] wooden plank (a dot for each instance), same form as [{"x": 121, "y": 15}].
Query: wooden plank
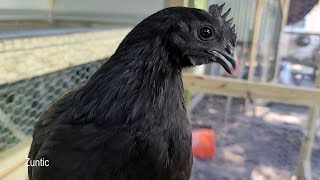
[
  {"x": 13, "y": 158},
  {"x": 20, "y": 173},
  {"x": 252, "y": 90},
  {"x": 29, "y": 43},
  {"x": 256, "y": 31},
  {"x": 30, "y": 57},
  {"x": 304, "y": 170},
  {"x": 285, "y": 6},
  {"x": 254, "y": 49},
  {"x": 302, "y": 32}
]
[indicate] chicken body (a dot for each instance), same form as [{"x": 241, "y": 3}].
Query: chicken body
[{"x": 128, "y": 122}]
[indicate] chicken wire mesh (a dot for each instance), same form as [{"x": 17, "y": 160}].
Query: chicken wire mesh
[{"x": 22, "y": 102}]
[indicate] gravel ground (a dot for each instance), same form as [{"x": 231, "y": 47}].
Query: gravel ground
[{"x": 250, "y": 148}]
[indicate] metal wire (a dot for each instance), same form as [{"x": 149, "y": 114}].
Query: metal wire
[{"x": 22, "y": 102}]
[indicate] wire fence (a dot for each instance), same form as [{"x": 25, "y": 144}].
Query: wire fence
[
  {"x": 22, "y": 102},
  {"x": 36, "y": 70}
]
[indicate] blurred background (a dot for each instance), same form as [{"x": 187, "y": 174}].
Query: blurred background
[{"x": 270, "y": 132}]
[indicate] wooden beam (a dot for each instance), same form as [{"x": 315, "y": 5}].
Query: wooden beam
[
  {"x": 254, "y": 46},
  {"x": 304, "y": 170},
  {"x": 285, "y": 7},
  {"x": 281, "y": 5},
  {"x": 30, "y": 57},
  {"x": 14, "y": 158},
  {"x": 302, "y": 33},
  {"x": 304, "y": 165},
  {"x": 252, "y": 90},
  {"x": 20, "y": 173}
]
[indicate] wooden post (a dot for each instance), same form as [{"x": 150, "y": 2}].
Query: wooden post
[
  {"x": 257, "y": 23},
  {"x": 12, "y": 161},
  {"x": 304, "y": 165},
  {"x": 304, "y": 171},
  {"x": 253, "y": 53},
  {"x": 285, "y": 6}
]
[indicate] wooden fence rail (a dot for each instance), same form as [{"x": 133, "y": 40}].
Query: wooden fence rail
[{"x": 252, "y": 90}]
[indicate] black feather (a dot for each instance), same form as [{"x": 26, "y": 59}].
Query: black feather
[{"x": 128, "y": 121}]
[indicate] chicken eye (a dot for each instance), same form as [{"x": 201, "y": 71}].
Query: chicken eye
[{"x": 205, "y": 33}]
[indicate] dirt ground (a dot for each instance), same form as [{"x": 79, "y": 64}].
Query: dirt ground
[{"x": 260, "y": 148}]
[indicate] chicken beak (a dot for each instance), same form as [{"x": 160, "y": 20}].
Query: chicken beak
[{"x": 226, "y": 60}]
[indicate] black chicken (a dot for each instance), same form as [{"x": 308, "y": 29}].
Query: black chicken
[{"x": 129, "y": 120}]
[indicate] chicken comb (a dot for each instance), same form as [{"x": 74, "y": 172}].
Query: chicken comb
[{"x": 216, "y": 11}]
